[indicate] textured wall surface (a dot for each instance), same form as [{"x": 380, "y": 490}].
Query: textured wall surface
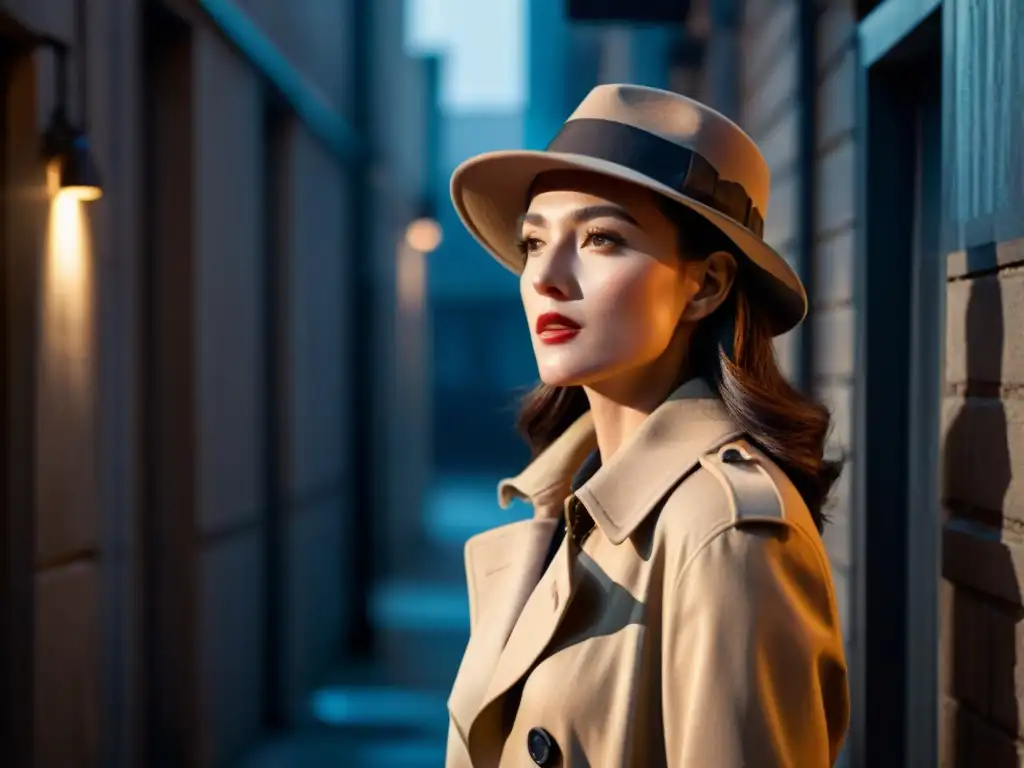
[
  {"x": 190, "y": 405},
  {"x": 983, "y": 418},
  {"x": 770, "y": 112}
]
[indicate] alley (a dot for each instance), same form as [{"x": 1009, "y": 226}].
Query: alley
[
  {"x": 258, "y": 382},
  {"x": 394, "y": 714}
]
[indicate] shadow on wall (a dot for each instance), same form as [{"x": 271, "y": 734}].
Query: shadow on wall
[{"x": 982, "y": 602}]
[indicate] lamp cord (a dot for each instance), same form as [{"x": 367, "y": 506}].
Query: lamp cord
[
  {"x": 83, "y": 56},
  {"x": 61, "y": 60}
]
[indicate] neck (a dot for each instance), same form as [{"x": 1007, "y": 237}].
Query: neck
[{"x": 621, "y": 404}]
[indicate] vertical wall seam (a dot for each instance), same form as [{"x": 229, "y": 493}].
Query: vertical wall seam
[
  {"x": 362, "y": 544},
  {"x": 807, "y": 95}
]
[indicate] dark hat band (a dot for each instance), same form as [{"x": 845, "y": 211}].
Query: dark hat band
[{"x": 674, "y": 166}]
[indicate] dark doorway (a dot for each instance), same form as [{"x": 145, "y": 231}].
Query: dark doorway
[{"x": 901, "y": 293}]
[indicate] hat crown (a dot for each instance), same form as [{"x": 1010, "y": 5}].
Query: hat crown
[
  {"x": 669, "y": 144},
  {"x": 686, "y": 123}
]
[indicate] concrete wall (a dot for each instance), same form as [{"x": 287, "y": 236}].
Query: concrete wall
[
  {"x": 70, "y": 304},
  {"x": 188, "y": 377},
  {"x": 313, "y": 451},
  {"x": 983, "y": 423},
  {"x": 250, "y": 405},
  {"x": 983, "y": 561},
  {"x": 833, "y": 318},
  {"x": 770, "y": 112}
]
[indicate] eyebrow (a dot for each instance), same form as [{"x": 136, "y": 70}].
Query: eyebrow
[{"x": 581, "y": 215}]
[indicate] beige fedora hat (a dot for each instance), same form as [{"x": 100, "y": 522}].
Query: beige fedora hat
[{"x": 660, "y": 140}]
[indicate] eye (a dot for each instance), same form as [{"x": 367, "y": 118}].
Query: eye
[
  {"x": 602, "y": 240},
  {"x": 528, "y": 245}
]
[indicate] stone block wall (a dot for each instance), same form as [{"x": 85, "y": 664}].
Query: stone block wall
[
  {"x": 833, "y": 311},
  {"x": 770, "y": 113},
  {"x": 983, "y": 538},
  {"x": 982, "y": 416},
  {"x": 982, "y": 640}
]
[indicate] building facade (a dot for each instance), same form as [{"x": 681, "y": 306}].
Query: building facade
[
  {"x": 896, "y": 193},
  {"x": 203, "y": 371}
]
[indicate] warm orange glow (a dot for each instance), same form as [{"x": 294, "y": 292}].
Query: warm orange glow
[
  {"x": 67, "y": 305},
  {"x": 423, "y": 235},
  {"x": 82, "y": 194},
  {"x": 412, "y": 277},
  {"x": 66, "y": 363},
  {"x": 53, "y": 178}
]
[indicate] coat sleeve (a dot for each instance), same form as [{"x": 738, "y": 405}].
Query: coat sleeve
[{"x": 753, "y": 671}]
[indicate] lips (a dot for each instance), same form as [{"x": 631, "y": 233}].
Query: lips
[{"x": 555, "y": 328}]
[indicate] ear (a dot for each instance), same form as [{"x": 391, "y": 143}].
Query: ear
[{"x": 715, "y": 276}]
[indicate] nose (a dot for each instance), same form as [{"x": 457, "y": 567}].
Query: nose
[{"x": 552, "y": 273}]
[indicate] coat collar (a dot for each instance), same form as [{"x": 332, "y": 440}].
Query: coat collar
[
  {"x": 547, "y": 479},
  {"x": 624, "y": 491},
  {"x": 504, "y": 565}
]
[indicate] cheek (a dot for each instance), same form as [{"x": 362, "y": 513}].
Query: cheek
[{"x": 636, "y": 304}]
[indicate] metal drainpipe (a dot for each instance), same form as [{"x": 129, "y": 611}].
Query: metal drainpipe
[{"x": 807, "y": 140}]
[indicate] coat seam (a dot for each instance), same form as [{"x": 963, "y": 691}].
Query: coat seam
[{"x": 823, "y": 571}]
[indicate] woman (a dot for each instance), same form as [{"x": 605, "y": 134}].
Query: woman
[{"x": 670, "y": 603}]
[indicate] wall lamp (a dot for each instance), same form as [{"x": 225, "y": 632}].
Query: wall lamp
[
  {"x": 71, "y": 169},
  {"x": 424, "y": 233}
]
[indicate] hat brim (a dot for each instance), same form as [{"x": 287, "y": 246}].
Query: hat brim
[{"x": 489, "y": 193}]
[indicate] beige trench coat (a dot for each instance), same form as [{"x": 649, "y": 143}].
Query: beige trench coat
[{"x": 695, "y": 625}]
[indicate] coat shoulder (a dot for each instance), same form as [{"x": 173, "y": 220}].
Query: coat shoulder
[{"x": 735, "y": 486}]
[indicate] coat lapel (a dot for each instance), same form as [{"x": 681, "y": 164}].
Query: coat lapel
[
  {"x": 535, "y": 626},
  {"x": 531, "y": 633},
  {"x": 503, "y": 566},
  {"x": 666, "y": 447},
  {"x": 519, "y": 609}
]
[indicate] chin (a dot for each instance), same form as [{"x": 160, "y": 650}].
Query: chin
[{"x": 579, "y": 375}]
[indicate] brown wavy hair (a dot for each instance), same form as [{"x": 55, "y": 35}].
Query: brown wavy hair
[{"x": 732, "y": 350}]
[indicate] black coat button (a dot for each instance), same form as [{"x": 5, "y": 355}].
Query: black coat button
[
  {"x": 732, "y": 456},
  {"x": 542, "y": 748}
]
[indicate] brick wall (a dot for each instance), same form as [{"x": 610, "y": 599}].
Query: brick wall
[
  {"x": 982, "y": 639},
  {"x": 983, "y": 540},
  {"x": 832, "y": 289},
  {"x": 770, "y": 112},
  {"x": 983, "y": 419}
]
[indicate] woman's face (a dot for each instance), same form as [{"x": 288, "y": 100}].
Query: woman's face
[{"x": 605, "y": 290}]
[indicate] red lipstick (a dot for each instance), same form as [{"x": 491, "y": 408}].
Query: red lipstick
[{"x": 553, "y": 328}]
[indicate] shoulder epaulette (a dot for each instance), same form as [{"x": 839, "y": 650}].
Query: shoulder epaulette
[{"x": 753, "y": 493}]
